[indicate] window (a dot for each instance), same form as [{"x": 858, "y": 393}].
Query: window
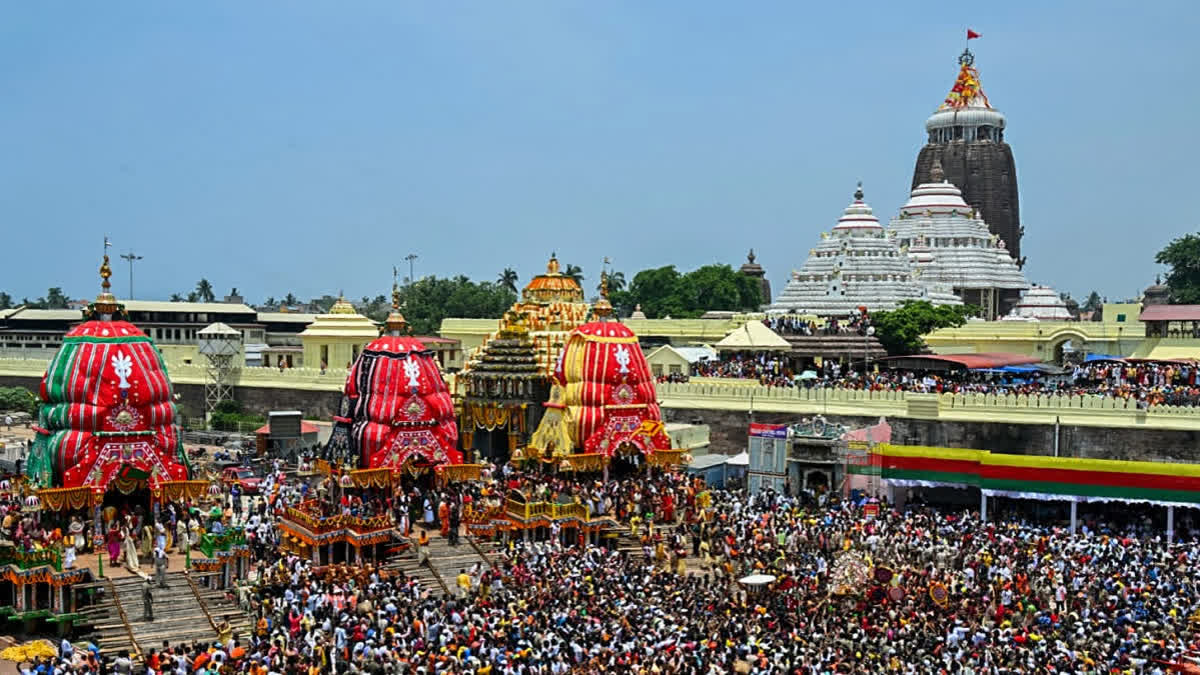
[
  {"x": 1120, "y": 318},
  {"x": 657, "y": 369},
  {"x": 676, "y": 370}
]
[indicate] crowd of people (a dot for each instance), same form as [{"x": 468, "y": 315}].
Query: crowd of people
[
  {"x": 770, "y": 369},
  {"x": 854, "y": 588},
  {"x": 1147, "y": 383}
]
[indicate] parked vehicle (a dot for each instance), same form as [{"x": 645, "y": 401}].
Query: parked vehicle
[{"x": 242, "y": 476}]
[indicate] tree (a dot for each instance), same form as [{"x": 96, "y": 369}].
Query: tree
[
  {"x": 1183, "y": 257},
  {"x": 271, "y": 302},
  {"x": 193, "y": 297},
  {"x": 575, "y": 272},
  {"x": 175, "y": 297},
  {"x": 204, "y": 291},
  {"x": 616, "y": 283},
  {"x": 1093, "y": 303},
  {"x": 55, "y": 299},
  {"x": 18, "y": 399},
  {"x": 427, "y": 301},
  {"x": 289, "y": 300},
  {"x": 665, "y": 292},
  {"x": 5, "y": 300},
  {"x": 508, "y": 279},
  {"x": 900, "y": 330}
]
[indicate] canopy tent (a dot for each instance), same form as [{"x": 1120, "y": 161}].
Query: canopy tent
[
  {"x": 753, "y": 336},
  {"x": 981, "y": 361},
  {"x": 1101, "y": 357}
]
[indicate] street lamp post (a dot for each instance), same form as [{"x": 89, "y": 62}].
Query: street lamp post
[{"x": 131, "y": 258}]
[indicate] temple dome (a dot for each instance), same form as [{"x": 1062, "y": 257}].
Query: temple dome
[
  {"x": 553, "y": 286},
  {"x": 856, "y": 265},
  {"x": 949, "y": 243},
  {"x": 1040, "y": 303}
]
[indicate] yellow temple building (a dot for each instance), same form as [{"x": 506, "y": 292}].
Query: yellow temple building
[
  {"x": 1120, "y": 333},
  {"x": 334, "y": 340}
]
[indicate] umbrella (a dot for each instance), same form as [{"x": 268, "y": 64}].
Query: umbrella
[{"x": 757, "y": 580}]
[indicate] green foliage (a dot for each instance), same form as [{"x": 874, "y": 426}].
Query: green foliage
[
  {"x": 54, "y": 299},
  {"x": 204, "y": 291},
  {"x": 575, "y": 272},
  {"x": 427, "y": 301},
  {"x": 665, "y": 292},
  {"x": 231, "y": 416},
  {"x": 900, "y": 330},
  {"x": 1183, "y": 257},
  {"x": 18, "y": 399},
  {"x": 1093, "y": 303},
  {"x": 508, "y": 279},
  {"x": 5, "y": 300},
  {"x": 175, "y": 297}
]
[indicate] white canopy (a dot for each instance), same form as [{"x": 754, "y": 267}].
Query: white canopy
[
  {"x": 757, "y": 580},
  {"x": 753, "y": 336}
]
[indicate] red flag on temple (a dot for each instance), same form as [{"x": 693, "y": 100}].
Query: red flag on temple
[{"x": 971, "y": 35}]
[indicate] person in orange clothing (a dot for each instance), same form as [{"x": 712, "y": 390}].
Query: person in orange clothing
[{"x": 444, "y": 516}]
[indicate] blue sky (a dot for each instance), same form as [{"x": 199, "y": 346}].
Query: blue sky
[{"x": 309, "y": 146}]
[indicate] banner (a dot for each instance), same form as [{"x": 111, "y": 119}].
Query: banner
[{"x": 769, "y": 430}]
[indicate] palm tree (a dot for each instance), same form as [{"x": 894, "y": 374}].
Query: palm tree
[
  {"x": 575, "y": 272},
  {"x": 193, "y": 297},
  {"x": 508, "y": 279},
  {"x": 271, "y": 302},
  {"x": 204, "y": 291},
  {"x": 616, "y": 282},
  {"x": 175, "y": 297},
  {"x": 289, "y": 300}
]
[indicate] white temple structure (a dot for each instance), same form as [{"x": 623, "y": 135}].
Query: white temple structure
[
  {"x": 949, "y": 243},
  {"x": 856, "y": 265},
  {"x": 1040, "y": 303}
]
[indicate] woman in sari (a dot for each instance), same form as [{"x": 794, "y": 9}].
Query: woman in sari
[
  {"x": 113, "y": 543},
  {"x": 130, "y": 549}
]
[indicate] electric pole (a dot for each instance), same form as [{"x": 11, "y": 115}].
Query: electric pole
[{"x": 132, "y": 259}]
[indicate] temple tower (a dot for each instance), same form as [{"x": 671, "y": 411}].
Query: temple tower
[{"x": 967, "y": 136}]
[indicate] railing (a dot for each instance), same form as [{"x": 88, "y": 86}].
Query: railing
[
  {"x": 1106, "y": 410},
  {"x": 553, "y": 511},
  {"x": 321, "y": 524},
  {"x": 29, "y": 559}
]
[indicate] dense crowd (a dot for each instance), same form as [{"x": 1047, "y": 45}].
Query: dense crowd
[
  {"x": 1149, "y": 384},
  {"x": 917, "y": 590}
]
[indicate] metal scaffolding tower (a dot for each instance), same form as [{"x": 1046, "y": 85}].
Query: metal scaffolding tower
[{"x": 221, "y": 346}]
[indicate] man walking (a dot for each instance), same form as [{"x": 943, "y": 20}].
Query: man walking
[
  {"x": 147, "y": 600},
  {"x": 160, "y": 566}
]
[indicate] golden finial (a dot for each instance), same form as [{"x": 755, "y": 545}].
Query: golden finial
[
  {"x": 395, "y": 322},
  {"x": 603, "y": 308},
  {"x": 106, "y": 304}
]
